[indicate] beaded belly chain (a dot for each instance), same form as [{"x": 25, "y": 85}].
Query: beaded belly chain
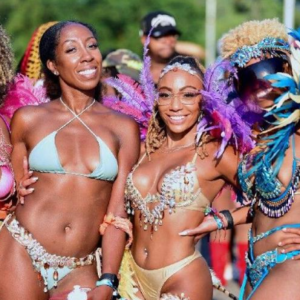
[
  {"x": 41, "y": 259},
  {"x": 180, "y": 188}
]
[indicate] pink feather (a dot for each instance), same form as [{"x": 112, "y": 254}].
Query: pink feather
[{"x": 22, "y": 92}]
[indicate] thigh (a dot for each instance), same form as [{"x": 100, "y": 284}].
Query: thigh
[
  {"x": 194, "y": 281},
  {"x": 18, "y": 279},
  {"x": 281, "y": 283}
]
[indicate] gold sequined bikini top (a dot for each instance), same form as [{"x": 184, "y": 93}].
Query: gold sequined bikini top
[{"x": 180, "y": 189}]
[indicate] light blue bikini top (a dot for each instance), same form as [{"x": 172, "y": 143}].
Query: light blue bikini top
[{"x": 44, "y": 156}]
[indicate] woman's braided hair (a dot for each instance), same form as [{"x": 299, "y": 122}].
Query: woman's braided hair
[
  {"x": 156, "y": 133},
  {"x": 6, "y": 64}
]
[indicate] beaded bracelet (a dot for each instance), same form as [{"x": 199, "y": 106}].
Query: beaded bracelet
[
  {"x": 210, "y": 211},
  {"x": 219, "y": 222},
  {"x": 119, "y": 223}
]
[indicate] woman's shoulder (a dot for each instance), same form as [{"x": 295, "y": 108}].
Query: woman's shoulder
[
  {"x": 114, "y": 115},
  {"x": 119, "y": 121},
  {"x": 32, "y": 114}
]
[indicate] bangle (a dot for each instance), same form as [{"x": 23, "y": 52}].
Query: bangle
[
  {"x": 109, "y": 280},
  {"x": 106, "y": 278},
  {"x": 228, "y": 217}
]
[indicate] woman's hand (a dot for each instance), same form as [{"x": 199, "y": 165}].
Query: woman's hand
[
  {"x": 291, "y": 243},
  {"x": 101, "y": 293},
  {"x": 25, "y": 181},
  {"x": 208, "y": 225}
]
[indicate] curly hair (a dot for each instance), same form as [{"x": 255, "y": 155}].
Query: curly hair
[
  {"x": 250, "y": 33},
  {"x": 47, "y": 51},
  {"x": 6, "y": 64},
  {"x": 156, "y": 133}
]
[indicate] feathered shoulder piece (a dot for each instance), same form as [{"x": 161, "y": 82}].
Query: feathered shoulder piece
[
  {"x": 225, "y": 116},
  {"x": 22, "y": 92},
  {"x": 136, "y": 99}
]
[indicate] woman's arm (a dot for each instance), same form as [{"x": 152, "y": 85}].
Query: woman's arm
[
  {"x": 227, "y": 167},
  {"x": 209, "y": 224},
  {"x": 114, "y": 239},
  {"x": 113, "y": 242}
]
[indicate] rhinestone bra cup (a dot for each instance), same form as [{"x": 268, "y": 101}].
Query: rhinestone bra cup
[
  {"x": 177, "y": 190},
  {"x": 268, "y": 190}
]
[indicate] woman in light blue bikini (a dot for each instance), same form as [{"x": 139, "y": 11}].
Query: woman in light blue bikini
[
  {"x": 269, "y": 176},
  {"x": 82, "y": 153}
]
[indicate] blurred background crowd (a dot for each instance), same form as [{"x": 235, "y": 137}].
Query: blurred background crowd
[{"x": 117, "y": 22}]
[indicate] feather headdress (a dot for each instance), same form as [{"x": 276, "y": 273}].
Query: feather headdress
[
  {"x": 283, "y": 116},
  {"x": 225, "y": 115},
  {"x": 136, "y": 99}
]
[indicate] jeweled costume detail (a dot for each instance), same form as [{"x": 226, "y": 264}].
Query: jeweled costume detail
[
  {"x": 180, "y": 190},
  {"x": 50, "y": 267},
  {"x": 258, "y": 172}
]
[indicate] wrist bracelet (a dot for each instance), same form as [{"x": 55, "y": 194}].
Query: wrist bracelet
[
  {"x": 219, "y": 223},
  {"x": 112, "y": 278},
  {"x": 228, "y": 216},
  {"x": 108, "y": 283},
  {"x": 210, "y": 211}
]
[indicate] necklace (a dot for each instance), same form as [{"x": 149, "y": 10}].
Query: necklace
[
  {"x": 176, "y": 148},
  {"x": 86, "y": 108}
]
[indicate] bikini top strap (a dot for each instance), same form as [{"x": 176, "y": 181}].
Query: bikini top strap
[
  {"x": 139, "y": 162},
  {"x": 195, "y": 158},
  {"x": 77, "y": 116}
]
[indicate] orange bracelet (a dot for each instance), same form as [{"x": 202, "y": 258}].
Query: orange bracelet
[{"x": 120, "y": 223}]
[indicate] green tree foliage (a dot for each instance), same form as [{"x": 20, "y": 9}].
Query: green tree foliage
[{"x": 117, "y": 21}]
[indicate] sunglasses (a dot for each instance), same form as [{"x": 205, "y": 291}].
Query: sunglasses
[{"x": 252, "y": 79}]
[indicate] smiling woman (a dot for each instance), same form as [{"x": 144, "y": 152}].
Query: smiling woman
[
  {"x": 170, "y": 188},
  {"x": 82, "y": 163}
]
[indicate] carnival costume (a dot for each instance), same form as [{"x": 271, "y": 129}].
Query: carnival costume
[
  {"x": 44, "y": 158},
  {"x": 227, "y": 121},
  {"x": 258, "y": 170}
]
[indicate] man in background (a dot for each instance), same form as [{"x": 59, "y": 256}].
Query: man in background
[{"x": 163, "y": 39}]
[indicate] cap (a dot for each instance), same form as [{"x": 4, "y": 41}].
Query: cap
[
  {"x": 125, "y": 61},
  {"x": 162, "y": 23}
]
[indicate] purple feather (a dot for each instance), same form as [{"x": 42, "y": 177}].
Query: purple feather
[
  {"x": 229, "y": 120},
  {"x": 145, "y": 76},
  {"x": 136, "y": 99}
]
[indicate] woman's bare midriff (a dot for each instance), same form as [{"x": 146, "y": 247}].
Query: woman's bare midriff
[
  {"x": 165, "y": 246},
  {"x": 64, "y": 213},
  {"x": 262, "y": 223}
]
